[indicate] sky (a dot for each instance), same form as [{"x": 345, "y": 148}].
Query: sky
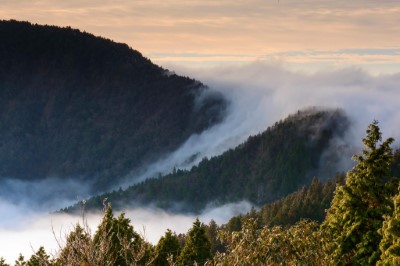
[{"x": 304, "y": 35}]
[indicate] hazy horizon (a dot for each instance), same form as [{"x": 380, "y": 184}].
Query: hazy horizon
[{"x": 306, "y": 35}]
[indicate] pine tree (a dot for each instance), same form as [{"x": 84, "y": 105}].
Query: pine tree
[
  {"x": 167, "y": 245},
  {"x": 116, "y": 241},
  {"x": 20, "y": 261},
  {"x": 355, "y": 216},
  {"x": 390, "y": 243},
  {"x": 77, "y": 249},
  {"x": 212, "y": 234},
  {"x": 3, "y": 262},
  {"x": 40, "y": 258},
  {"x": 197, "y": 248}
]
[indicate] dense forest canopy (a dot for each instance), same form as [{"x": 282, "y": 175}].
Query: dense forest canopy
[
  {"x": 361, "y": 228},
  {"x": 79, "y": 106},
  {"x": 73, "y": 105},
  {"x": 266, "y": 167}
]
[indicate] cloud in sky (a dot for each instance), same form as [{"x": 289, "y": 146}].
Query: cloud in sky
[{"x": 243, "y": 30}]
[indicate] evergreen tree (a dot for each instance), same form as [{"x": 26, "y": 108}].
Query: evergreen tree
[
  {"x": 77, "y": 248},
  {"x": 20, "y": 261},
  {"x": 167, "y": 246},
  {"x": 116, "y": 241},
  {"x": 390, "y": 243},
  {"x": 40, "y": 258},
  {"x": 197, "y": 248},
  {"x": 212, "y": 234},
  {"x": 3, "y": 262},
  {"x": 358, "y": 206}
]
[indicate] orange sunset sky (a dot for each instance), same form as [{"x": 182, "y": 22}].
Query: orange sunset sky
[{"x": 303, "y": 34}]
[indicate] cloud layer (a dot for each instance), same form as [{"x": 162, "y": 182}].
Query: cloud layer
[
  {"x": 34, "y": 230},
  {"x": 261, "y": 94}
]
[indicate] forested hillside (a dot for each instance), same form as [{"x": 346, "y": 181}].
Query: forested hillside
[
  {"x": 79, "y": 106},
  {"x": 309, "y": 202},
  {"x": 266, "y": 167},
  {"x": 361, "y": 228}
]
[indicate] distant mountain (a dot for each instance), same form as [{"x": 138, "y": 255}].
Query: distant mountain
[
  {"x": 80, "y": 106},
  {"x": 265, "y": 168}
]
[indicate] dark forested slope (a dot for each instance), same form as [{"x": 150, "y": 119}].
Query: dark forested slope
[
  {"x": 266, "y": 167},
  {"x": 309, "y": 202},
  {"x": 76, "y": 105}
]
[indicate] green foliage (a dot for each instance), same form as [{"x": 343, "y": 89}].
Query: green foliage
[
  {"x": 20, "y": 261},
  {"x": 235, "y": 224},
  {"x": 114, "y": 243},
  {"x": 297, "y": 245},
  {"x": 167, "y": 246},
  {"x": 265, "y": 168},
  {"x": 76, "y": 248},
  {"x": 116, "y": 240},
  {"x": 212, "y": 234},
  {"x": 390, "y": 243},
  {"x": 355, "y": 216},
  {"x": 308, "y": 202},
  {"x": 3, "y": 262},
  {"x": 40, "y": 258},
  {"x": 362, "y": 227},
  {"x": 76, "y": 105},
  {"x": 197, "y": 247}
]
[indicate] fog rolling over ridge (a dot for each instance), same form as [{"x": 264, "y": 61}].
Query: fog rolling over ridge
[
  {"x": 266, "y": 167},
  {"x": 79, "y": 113},
  {"x": 262, "y": 93}
]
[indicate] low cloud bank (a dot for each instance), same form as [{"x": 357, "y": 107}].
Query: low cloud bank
[
  {"x": 24, "y": 231},
  {"x": 40, "y": 195},
  {"x": 264, "y": 93},
  {"x": 261, "y": 94}
]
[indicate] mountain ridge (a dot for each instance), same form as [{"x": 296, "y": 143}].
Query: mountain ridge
[
  {"x": 266, "y": 167},
  {"x": 73, "y": 105}
]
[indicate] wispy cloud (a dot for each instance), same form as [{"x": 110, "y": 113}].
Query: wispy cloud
[{"x": 374, "y": 59}]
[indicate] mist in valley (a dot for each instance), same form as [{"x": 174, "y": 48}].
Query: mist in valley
[{"x": 259, "y": 94}]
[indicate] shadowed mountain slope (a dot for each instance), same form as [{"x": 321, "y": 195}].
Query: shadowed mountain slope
[
  {"x": 266, "y": 167},
  {"x": 80, "y": 106}
]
